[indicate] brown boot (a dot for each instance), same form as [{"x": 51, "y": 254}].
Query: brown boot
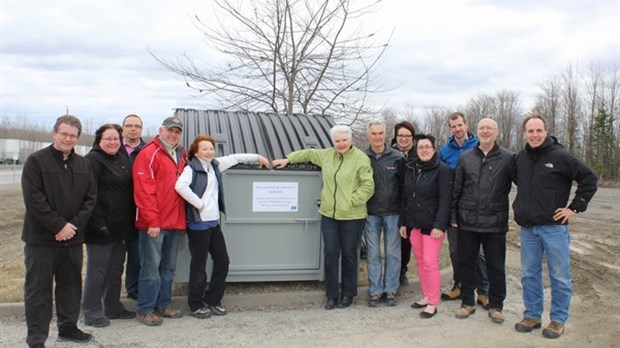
[
  {"x": 527, "y": 325},
  {"x": 453, "y": 294}
]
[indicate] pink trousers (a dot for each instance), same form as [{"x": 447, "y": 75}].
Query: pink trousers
[{"x": 426, "y": 251}]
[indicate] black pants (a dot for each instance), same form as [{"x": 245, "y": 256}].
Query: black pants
[
  {"x": 494, "y": 246},
  {"x": 405, "y": 253},
  {"x": 44, "y": 266},
  {"x": 102, "y": 285},
  {"x": 201, "y": 244}
]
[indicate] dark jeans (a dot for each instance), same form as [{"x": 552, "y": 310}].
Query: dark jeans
[
  {"x": 201, "y": 244},
  {"x": 494, "y": 245},
  {"x": 405, "y": 253},
  {"x": 44, "y": 266},
  {"x": 341, "y": 237},
  {"x": 102, "y": 285},
  {"x": 132, "y": 269}
]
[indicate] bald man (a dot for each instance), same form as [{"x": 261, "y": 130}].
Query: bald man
[{"x": 480, "y": 205}]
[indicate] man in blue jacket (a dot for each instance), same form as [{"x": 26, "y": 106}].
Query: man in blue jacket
[
  {"x": 459, "y": 142},
  {"x": 545, "y": 172}
]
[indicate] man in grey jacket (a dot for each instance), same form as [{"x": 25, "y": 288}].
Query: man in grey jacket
[{"x": 480, "y": 205}]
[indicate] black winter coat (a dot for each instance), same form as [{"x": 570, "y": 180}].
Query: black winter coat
[
  {"x": 426, "y": 195},
  {"x": 480, "y": 192},
  {"x": 114, "y": 215},
  {"x": 56, "y": 191},
  {"x": 544, "y": 176},
  {"x": 386, "y": 169}
]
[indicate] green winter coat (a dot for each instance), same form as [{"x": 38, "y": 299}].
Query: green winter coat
[{"x": 347, "y": 181}]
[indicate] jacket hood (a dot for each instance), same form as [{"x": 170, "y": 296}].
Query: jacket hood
[{"x": 549, "y": 142}]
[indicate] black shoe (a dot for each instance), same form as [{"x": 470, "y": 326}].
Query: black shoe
[
  {"x": 417, "y": 305},
  {"x": 427, "y": 315},
  {"x": 331, "y": 304},
  {"x": 99, "y": 322},
  {"x": 345, "y": 302},
  {"x": 74, "y": 335},
  {"x": 403, "y": 278},
  {"x": 124, "y": 314},
  {"x": 218, "y": 310}
]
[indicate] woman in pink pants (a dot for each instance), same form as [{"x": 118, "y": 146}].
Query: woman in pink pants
[{"x": 427, "y": 192}]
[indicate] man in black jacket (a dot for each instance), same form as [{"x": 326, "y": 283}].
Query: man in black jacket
[
  {"x": 482, "y": 183},
  {"x": 383, "y": 211},
  {"x": 132, "y": 143},
  {"x": 59, "y": 194},
  {"x": 545, "y": 172}
]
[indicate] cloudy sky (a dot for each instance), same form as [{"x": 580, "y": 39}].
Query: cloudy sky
[{"x": 91, "y": 58}]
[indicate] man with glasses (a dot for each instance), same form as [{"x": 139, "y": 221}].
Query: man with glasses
[
  {"x": 482, "y": 183},
  {"x": 59, "y": 194},
  {"x": 458, "y": 143},
  {"x": 132, "y": 143}
]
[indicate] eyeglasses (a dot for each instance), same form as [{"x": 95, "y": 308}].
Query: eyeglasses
[
  {"x": 425, "y": 147},
  {"x": 404, "y": 136},
  {"x": 486, "y": 128},
  {"x": 67, "y": 135},
  {"x": 110, "y": 139}
]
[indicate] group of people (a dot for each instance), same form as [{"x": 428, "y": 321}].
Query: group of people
[
  {"x": 413, "y": 196},
  {"x": 131, "y": 201},
  {"x": 128, "y": 201}
]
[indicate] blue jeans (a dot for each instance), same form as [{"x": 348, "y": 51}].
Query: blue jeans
[
  {"x": 552, "y": 241},
  {"x": 389, "y": 280},
  {"x": 341, "y": 237},
  {"x": 158, "y": 260}
]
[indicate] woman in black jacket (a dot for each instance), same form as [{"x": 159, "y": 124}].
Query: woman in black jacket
[
  {"x": 427, "y": 191},
  {"x": 109, "y": 227}
]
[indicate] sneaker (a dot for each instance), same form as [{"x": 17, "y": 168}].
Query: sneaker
[
  {"x": 496, "y": 315},
  {"x": 218, "y": 309},
  {"x": 124, "y": 314},
  {"x": 464, "y": 312},
  {"x": 149, "y": 319},
  {"x": 483, "y": 300},
  {"x": 74, "y": 335},
  {"x": 390, "y": 299},
  {"x": 99, "y": 322},
  {"x": 453, "y": 294},
  {"x": 169, "y": 313},
  {"x": 201, "y": 313},
  {"x": 527, "y": 325},
  {"x": 553, "y": 330},
  {"x": 374, "y": 301}
]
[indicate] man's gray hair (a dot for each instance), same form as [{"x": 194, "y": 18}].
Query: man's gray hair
[
  {"x": 376, "y": 122},
  {"x": 341, "y": 129}
]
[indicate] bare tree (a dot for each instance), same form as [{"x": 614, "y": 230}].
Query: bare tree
[
  {"x": 508, "y": 114},
  {"x": 435, "y": 122},
  {"x": 478, "y": 108},
  {"x": 572, "y": 108},
  {"x": 287, "y": 56},
  {"x": 548, "y": 103}
]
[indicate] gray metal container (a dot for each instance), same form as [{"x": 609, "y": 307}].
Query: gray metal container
[{"x": 272, "y": 224}]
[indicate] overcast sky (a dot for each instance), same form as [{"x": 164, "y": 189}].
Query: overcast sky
[{"x": 91, "y": 56}]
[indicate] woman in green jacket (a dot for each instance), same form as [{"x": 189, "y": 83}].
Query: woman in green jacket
[{"x": 347, "y": 186}]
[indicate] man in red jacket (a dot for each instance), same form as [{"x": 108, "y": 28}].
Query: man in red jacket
[{"x": 160, "y": 220}]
